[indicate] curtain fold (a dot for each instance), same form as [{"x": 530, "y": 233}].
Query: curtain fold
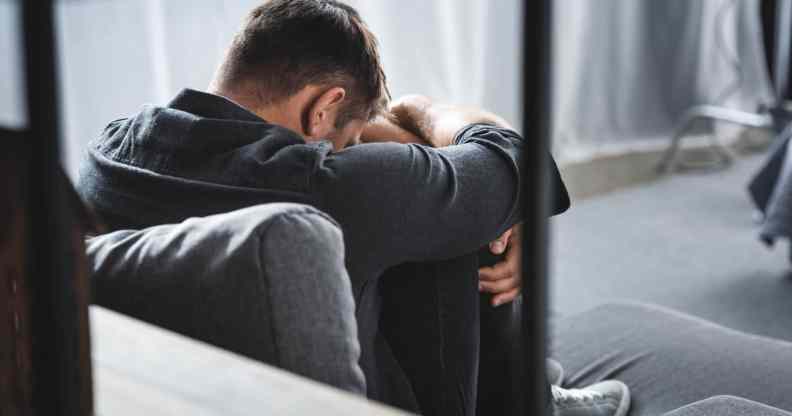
[
  {"x": 461, "y": 51},
  {"x": 626, "y": 70}
]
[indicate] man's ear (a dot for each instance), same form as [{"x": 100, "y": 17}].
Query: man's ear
[{"x": 320, "y": 118}]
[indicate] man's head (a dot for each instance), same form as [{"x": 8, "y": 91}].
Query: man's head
[{"x": 309, "y": 65}]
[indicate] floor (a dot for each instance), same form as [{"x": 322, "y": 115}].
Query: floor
[{"x": 686, "y": 241}]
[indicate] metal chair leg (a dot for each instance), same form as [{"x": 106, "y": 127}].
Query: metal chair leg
[{"x": 744, "y": 118}]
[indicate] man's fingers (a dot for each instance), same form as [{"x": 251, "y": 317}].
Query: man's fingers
[
  {"x": 504, "y": 280},
  {"x": 499, "y": 271},
  {"x": 499, "y": 286},
  {"x": 506, "y": 297},
  {"x": 508, "y": 267},
  {"x": 499, "y": 246}
]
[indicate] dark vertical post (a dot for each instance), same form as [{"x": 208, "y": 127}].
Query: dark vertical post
[
  {"x": 536, "y": 122},
  {"x": 59, "y": 388}
]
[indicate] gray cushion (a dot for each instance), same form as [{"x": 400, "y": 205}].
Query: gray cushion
[
  {"x": 727, "y": 406},
  {"x": 267, "y": 282},
  {"x": 670, "y": 359}
]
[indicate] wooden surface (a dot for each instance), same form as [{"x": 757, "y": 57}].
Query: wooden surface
[
  {"x": 15, "y": 341},
  {"x": 140, "y": 369}
]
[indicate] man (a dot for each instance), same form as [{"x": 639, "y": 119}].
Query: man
[{"x": 300, "y": 86}]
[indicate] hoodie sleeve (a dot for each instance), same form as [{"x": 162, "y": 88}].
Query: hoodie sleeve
[{"x": 416, "y": 203}]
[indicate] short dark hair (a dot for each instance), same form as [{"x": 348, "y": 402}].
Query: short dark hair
[{"x": 285, "y": 45}]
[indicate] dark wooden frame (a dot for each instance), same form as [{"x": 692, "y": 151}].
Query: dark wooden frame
[{"x": 55, "y": 274}]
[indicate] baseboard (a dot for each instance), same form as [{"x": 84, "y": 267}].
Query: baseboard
[{"x": 610, "y": 172}]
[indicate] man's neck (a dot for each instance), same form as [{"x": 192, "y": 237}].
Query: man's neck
[{"x": 274, "y": 114}]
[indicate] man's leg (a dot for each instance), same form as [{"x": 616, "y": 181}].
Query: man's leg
[
  {"x": 501, "y": 351},
  {"x": 430, "y": 317},
  {"x": 669, "y": 359},
  {"x": 459, "y": 352}
]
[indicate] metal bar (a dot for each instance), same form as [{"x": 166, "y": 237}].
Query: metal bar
[
  {"x": 782, "y": 49},
  {"x": 536, "y": 111},
  {"x": 59, "y": 388}
]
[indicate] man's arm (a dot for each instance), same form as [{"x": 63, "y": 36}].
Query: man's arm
[
  {"x": 438, "y": 125},
  {"x": 416, "y": 119},
  {"x": 411, "y": 202},
  {"x": 385, "y": 128}
]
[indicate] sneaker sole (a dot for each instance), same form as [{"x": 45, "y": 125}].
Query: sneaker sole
[
  {"x": 560, "y": 379},
  {"x": 624, "y": 405}
]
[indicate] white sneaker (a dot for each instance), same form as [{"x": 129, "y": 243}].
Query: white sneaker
[
  {"x": 607, "y": 398},
  {"x": 555, "y": 373}
]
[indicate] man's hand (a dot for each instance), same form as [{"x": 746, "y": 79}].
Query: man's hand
[
  {"x": 438, "y": 124},
  {"x": 384, "y": 128},
  {"x": 504, "y": 279}
]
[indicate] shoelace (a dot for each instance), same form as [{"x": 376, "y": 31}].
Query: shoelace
[{"x": 574, "y": 395}]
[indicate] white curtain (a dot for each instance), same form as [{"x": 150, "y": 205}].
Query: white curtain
[
  {"x": 624, "y": 69},
  {"x": 462, "y": 51}
]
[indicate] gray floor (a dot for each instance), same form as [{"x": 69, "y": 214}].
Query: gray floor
[{"x": 686, "y": 241}]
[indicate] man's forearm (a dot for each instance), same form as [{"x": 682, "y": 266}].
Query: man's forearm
[
  {"x": 385, "y": 128},
  {"x": 446, "y": 121},
  {"x": 438, "y": 124}
]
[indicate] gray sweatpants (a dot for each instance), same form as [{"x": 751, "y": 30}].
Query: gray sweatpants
[{"x": 670, "y": 360}]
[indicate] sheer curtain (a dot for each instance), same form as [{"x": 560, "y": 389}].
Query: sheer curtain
[
  {"x": 116, "y": 55},
  {"x": 624, "y": 69},
  {"x": 463, "y": 51}
]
